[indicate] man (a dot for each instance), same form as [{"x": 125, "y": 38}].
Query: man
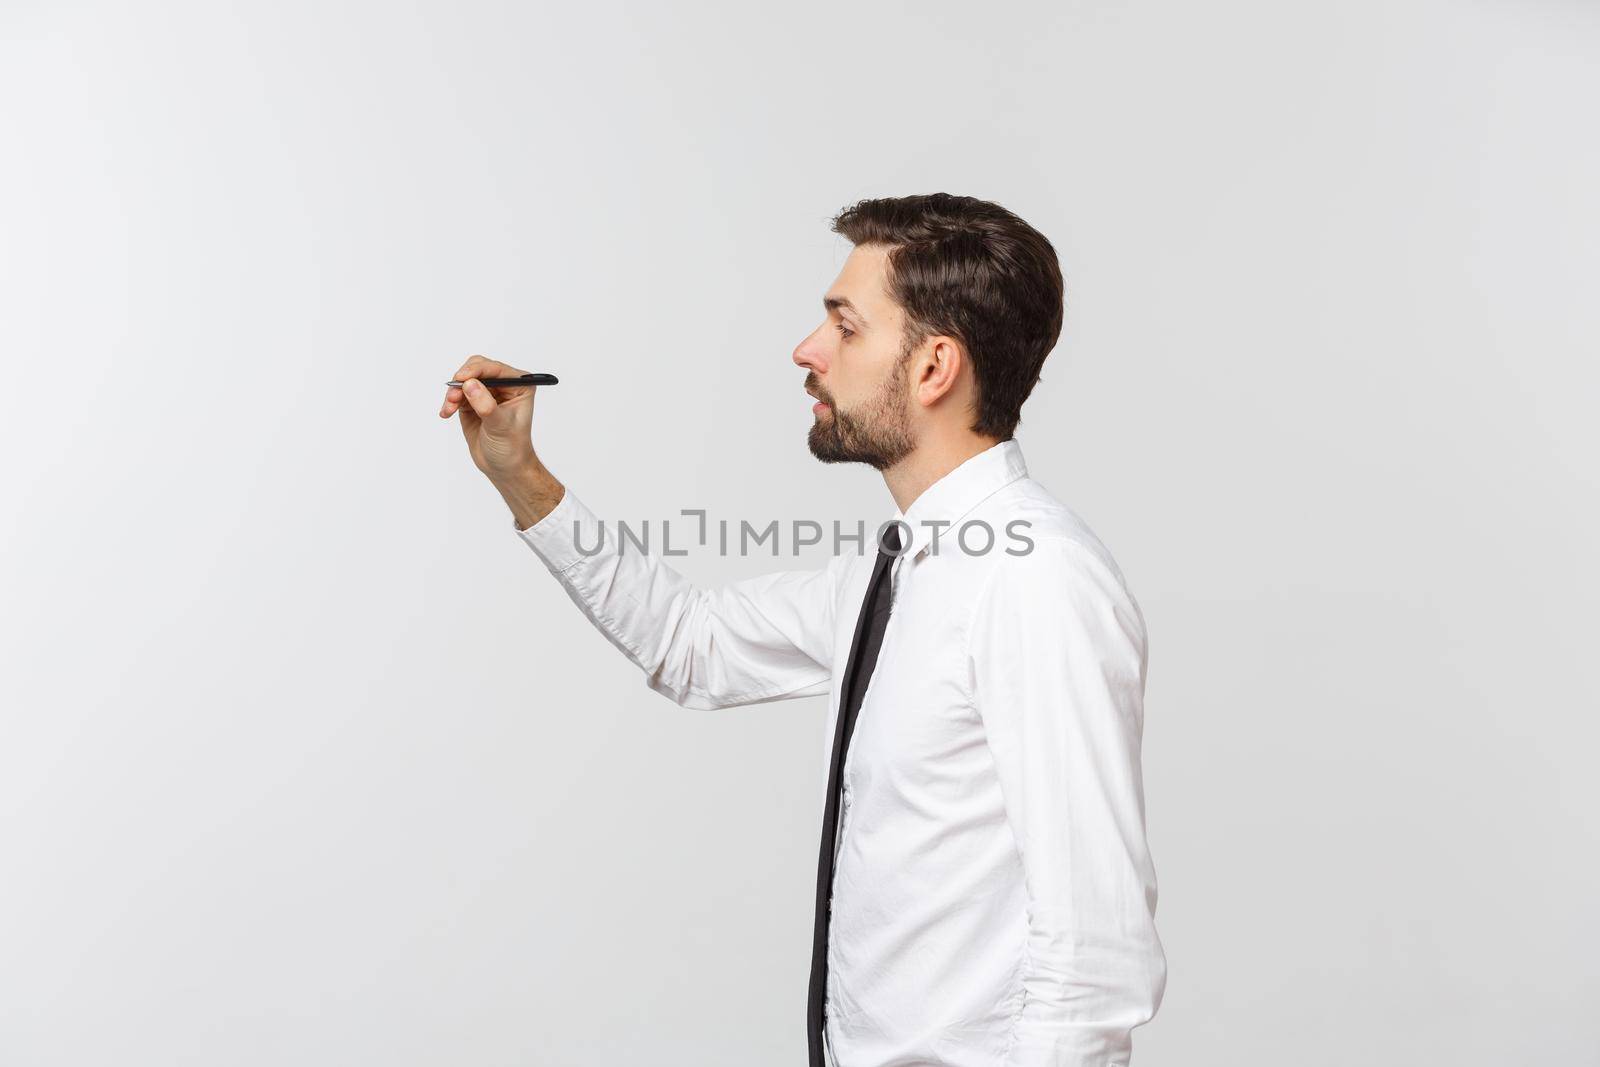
[{"x": 985, "y": 893}]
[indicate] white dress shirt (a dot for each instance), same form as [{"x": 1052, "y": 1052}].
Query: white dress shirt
[{"x": 994, "y": 897}]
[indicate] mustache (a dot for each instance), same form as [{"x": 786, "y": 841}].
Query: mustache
[{"x": 816, "y": 390}]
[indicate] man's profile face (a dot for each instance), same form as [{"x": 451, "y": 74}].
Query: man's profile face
[{"x": 859, "y": 368}]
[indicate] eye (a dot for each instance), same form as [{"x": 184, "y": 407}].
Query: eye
[{"x": 844, "y": 331}]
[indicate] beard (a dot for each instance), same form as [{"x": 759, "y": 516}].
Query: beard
[{"x": 876, "y": 432}]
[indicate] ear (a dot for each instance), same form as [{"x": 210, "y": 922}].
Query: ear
[{"x": 936, "y": 368}]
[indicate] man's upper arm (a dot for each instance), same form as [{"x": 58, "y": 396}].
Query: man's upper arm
[
  {"x": 1057, "y": 653},
  {"x": 746, "y": 642}
]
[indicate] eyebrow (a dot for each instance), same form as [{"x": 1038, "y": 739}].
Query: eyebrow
[{"x": 834, "y": 302}]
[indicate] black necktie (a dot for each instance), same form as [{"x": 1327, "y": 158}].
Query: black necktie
[{"x": 858, "y": 670}]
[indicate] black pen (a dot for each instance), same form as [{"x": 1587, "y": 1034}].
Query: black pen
[{"x": 527, "y": 379}]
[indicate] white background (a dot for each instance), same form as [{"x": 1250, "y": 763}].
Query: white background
[{"x": 305, "y": 758}]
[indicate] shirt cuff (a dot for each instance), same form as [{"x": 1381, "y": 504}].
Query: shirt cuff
[{"x": 555, "y": 538}]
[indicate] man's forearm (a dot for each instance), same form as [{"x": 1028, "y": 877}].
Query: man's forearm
[
  {"x": 744, "y": 642},
  {"x": 531, "y": 494}
]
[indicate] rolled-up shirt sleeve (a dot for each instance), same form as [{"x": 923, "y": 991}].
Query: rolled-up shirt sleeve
[
  {"x": 746, "y": 642},
  {"x": 1057, "y": 654}
]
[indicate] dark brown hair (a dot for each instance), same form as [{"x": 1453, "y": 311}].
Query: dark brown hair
[{"x": 972, "y": 270}]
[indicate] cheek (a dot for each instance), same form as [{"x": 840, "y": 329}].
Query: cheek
[{"x": 841, "y": 386}]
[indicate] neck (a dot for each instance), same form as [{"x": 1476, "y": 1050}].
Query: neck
[{"x": 931, "y": 460}]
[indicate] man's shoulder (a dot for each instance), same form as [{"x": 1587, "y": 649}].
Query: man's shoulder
[
  {"x": 1066, "y": 575},
  {"x": 1059, "y": 535}
]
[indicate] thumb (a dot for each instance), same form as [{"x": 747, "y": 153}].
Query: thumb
[{"x": 483, "y": 404}]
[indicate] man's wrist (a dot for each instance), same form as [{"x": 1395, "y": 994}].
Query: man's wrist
[{"x": 531, "y": 493}]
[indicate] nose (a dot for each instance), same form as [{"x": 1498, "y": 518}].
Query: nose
[{"x": 811, "y": 354}]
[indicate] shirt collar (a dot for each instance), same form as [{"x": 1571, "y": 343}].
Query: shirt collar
[{"x": 950, "y": 498}]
